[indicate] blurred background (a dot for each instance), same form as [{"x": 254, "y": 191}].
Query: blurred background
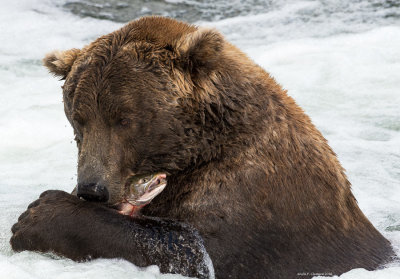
[{"x": 340, "y": 60}]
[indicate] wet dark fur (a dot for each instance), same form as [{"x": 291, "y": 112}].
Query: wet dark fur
[
  {"x": 248, "y": 168},
  {"x": 173, "y": 246}
]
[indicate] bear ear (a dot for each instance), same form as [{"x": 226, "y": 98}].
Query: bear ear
[
  {"x": 60, "y": 63},
  {"x": 200, "y": 51}
]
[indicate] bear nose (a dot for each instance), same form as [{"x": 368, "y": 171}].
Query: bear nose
[{"x": 93, "y": 192}]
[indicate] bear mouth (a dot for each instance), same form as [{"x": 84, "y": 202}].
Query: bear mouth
[{"x": 126, "y": 208}]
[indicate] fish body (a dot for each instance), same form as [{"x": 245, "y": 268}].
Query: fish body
[{"x": 141, "y": 190}]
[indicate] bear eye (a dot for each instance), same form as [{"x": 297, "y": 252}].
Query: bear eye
[
  {"x": 78, "y": 119},
  {"x": 125, "y": 122}
]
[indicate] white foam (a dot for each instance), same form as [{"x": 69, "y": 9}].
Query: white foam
[
  {"x": 344, "y": 76},
  {"x": 30, "y": 265}
]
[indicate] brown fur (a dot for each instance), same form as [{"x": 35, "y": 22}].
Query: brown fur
[{"x": 247, "y": 167}]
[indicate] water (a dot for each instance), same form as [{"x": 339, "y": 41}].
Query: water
[
  {"x": 339, "y": 59},
  {"x": 206, "y": 10}
]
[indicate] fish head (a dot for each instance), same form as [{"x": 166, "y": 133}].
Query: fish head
[{"x": 144, "y": 188}]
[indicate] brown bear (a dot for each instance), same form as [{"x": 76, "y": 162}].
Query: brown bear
[{"x": 246, "y": 167}]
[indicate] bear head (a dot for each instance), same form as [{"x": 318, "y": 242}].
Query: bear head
[{"x": 138, "y": 102}]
